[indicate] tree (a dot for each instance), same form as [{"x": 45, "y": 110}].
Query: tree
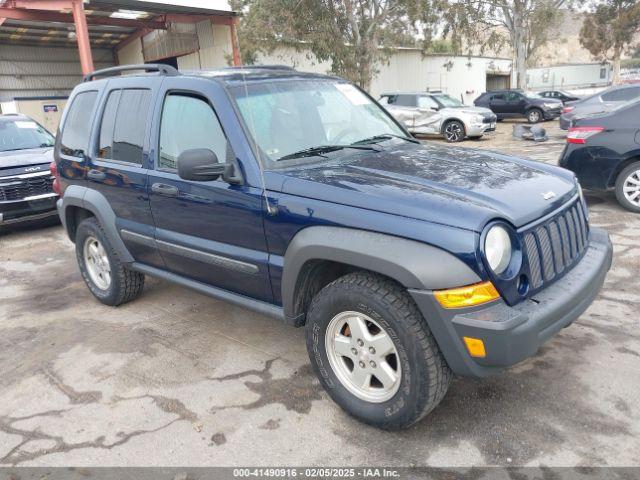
[
  {"x": 522, "y": 24},
  {"x": 609, "y": 29},
  {"x": 354, "y": 35}
]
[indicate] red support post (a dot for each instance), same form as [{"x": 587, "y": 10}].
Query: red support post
[
  {"x": 82, "y": 35},
  {"x": 234, "y": 42}
]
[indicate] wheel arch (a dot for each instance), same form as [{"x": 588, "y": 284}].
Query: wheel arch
[
  {"x": 634, "y": 157},
  {"x": 453, "y": 119},
  {"x": 79, "y": 203},
  {"x": 318, "y": 255}
]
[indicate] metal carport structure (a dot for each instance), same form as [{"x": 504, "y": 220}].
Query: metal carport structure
[{"x": 99, "y": 23}]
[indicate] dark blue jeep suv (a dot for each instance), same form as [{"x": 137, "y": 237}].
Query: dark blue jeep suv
[{"x": 298, "y": 196}]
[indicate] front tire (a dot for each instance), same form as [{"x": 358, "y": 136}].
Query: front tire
[
  {"x": 453, "y": 131},
  {"x": 106, "y": 276},
  {"x": 534, "y": 115},
  {"x": 628, "y": 187},
  {"x": 373, "y": 351}
]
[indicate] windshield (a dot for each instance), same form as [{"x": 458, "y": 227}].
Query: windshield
[
  {"x": 448, "y": 101},
  {"x": 286, "y": 117},
  {"x": 21, "y": 134},
  {"x": 533, "y": 95}
]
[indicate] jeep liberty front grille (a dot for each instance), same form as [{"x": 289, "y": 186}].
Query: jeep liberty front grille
[
  {"x": 24, "y": 186},
  {"x": 557, "y": 244}
]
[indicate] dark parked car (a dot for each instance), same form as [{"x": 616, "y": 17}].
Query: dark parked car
[
  {"x": 298, "y": 196},
  {"x": 516, "y": 104},
  {"x": 560, "y": 95},
  {"x": 604, "y": 152},
  {"x": 604, "y": 101},
  {"x": 25, "y": 181}
]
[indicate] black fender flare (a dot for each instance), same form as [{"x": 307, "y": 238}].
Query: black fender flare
[
  {"x": 413, "y": 264},
  {"x": 98, "y": 205}
]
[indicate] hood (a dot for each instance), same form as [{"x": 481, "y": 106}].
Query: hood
[
  {"x": 24, "y": 158},
  {"x": 459, "y": 187}
]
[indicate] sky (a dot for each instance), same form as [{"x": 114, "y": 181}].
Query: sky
[{"x": 213, "y": 4}]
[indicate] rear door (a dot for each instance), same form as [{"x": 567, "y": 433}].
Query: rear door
[
  {"x": 118, "y": 165},
  {"x": 498, "y": 104},
  {"x": 208, "y": 231}
]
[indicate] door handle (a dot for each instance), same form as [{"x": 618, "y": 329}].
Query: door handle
[
  {"x": 164, "y": 189},
  {"x": 96, "y": 175}
]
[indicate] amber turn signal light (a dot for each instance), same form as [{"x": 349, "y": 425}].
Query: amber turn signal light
[
  {"x": 475, "y": 346},
  {"x": 468, "y": 296}
]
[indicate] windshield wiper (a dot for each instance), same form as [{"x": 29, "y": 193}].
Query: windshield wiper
[
  {"x": 320, "y": 149},
  {"x": 385, "y": 136}
]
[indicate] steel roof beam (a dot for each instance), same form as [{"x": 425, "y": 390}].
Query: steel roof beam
[{"x": 51, "y": 16}]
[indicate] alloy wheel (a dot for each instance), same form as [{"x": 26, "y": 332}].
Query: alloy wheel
[
  {"x": 453, "y": 132},
  {"x": 97, "y": 263},
  {"x": 363, "y": 357},
  {"x": 534, "y": 116},
  {"x": 631, "y": 188}
]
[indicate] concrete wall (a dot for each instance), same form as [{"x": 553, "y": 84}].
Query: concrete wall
[
  {"x": 569, "y": 76},
  {"x": 410, "y": 70}
]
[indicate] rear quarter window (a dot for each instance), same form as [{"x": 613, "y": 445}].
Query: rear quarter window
[{"x": 77, "y": 125}]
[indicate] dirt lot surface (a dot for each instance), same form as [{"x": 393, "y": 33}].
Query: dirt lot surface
[{"x": 177, "y": 378}]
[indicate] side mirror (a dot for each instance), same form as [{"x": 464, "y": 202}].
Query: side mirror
[{"x": 200, "y": 164}]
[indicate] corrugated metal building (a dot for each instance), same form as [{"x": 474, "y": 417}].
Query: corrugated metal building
[
  {"x": 39, "y": 57},
  {"x": 409, "y": 70},
  {"x": 27, "y": 70}
]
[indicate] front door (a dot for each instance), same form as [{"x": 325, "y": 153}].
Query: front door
[
  {"x": 208, "y": 231},
  {"x": 515, "y": 103}
]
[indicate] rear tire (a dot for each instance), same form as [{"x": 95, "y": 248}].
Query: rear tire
[
  {"x": 534, "y": 115},
  {"x": 106, "y": 276},
  {"x": 414, "y": 377},
  {"x": 628, "y": 187}
]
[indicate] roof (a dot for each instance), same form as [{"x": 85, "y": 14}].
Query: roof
[
  {"x": 110, "y": 22},
  {"x": 255, "y": 73},
  {"x": 229, "y": 75}
]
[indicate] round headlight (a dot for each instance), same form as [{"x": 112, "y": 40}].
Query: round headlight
[{"x": 497, "y": 248}]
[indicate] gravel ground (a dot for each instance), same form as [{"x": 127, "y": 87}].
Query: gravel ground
[{"x": 176, "y": 378}]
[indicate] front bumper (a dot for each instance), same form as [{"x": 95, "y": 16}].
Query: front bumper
[
  {"x": 512, "y": 334},
  {"x": 19, "y": 211},
  {"x": 551, "y": 114}
]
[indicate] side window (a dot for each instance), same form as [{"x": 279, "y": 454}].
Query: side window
[
  {"x": 513, "y": 97},
  {"x": 425, "y": 101},
  {"x": 123, "y": 125},
  {"x": 498, "y": 96},
  {"x": 406, "y": 100},
  {"x": 203, "y": 129},
  {"x": 77, "y": 125}
]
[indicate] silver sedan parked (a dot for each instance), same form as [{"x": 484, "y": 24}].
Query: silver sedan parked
[{"x": 435, "y": 113}]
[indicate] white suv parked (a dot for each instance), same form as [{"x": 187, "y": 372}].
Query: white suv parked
[{"x": 436, "y": 113}]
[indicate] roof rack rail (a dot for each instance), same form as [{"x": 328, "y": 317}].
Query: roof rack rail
[
  {"x": 263, "y": 67},
  {"x": 147, "y": 67}
]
